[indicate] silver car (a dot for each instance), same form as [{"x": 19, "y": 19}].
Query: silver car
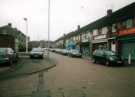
[
  {"x": 74, "y": 53},
  {"x": 37, "y": 53}
]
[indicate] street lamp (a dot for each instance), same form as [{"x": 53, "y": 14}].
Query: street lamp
[
  {"x": 48, "y": 26},
  {"x": 26, "y": 20}
]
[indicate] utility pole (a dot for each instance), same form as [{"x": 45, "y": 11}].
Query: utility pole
[
  {"x": 26, "y": 21},
  {"x": 48, "y": 27}
]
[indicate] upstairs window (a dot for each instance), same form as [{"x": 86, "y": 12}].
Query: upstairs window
[
  {"x": 134, "y": 21},
  {"x": 114, "y": 29},
  {"x": 95, "y": 32},
  {"x": 129, "y": 23},
  {"x": 99, "y": 31},
  {"x": 104, "y": 30},
  {"x": 124, "y": 25}
]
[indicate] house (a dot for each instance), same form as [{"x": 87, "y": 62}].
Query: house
[
  {"x": 115, "y": 31},
  {"x": 20, "y": 38}
]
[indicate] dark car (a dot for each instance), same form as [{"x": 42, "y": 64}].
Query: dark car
[
  {"x": 107, "y": 57},
  {"x": 7, "y": 55},
  {"x": 37, "y": 53},
  {"x": 74, "y": 53}
]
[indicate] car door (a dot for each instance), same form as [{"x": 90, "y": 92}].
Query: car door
[{"x": 101, "y": 55}]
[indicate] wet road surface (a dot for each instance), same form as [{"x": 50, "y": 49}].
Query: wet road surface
[{"x": 75, "y": 77}]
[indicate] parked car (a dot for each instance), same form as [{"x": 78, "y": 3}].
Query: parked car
[
  {"x": 74, "y": 53},
  {"x": 8, "y": 55},
  {"x": 107, "y": 57},
  {"x": 37, "y": 53},
  {"x": 64, "y": 51}
]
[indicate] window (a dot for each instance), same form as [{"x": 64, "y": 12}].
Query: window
[
  {"x": 99, "y": 31},
  {"x": 134, "y": 21},
  {"x": 104, "y": 30},
  {"x": 124, "y": 25},
  {"x": 114, "y": 28},
  {"x": 129, "y": 23},
  {"x": 95, "y": 32}
]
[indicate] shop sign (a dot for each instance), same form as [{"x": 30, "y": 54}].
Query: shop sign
[{"x": 127, "y": 32}]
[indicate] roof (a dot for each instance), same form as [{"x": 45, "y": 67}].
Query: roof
[{"x": 117, "y": 16}]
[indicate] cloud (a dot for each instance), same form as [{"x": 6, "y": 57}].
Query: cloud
[{"x": 65, "y": 14}]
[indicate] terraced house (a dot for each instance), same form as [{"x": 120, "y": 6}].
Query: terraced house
[{"x": 115, "y": 31}]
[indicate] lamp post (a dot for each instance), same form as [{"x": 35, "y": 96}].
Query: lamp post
[
  {"x": 48, "y": 26},
  {"x": 26, "y": 20}
]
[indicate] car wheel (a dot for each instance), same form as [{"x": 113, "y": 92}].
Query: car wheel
[
  {"x": 42, "y": 57},
  {"x": 31, "y": 57}
]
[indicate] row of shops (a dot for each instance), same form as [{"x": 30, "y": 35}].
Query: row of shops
[{"x": 115, "y": 32}]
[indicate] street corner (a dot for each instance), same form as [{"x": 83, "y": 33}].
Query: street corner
[{"x": 27, "y": 66}]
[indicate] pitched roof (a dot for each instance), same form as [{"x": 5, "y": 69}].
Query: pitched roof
[{"x": 117, "y": 16}]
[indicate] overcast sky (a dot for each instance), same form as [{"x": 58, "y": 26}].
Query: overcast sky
[{"x": 65, "y": 14}]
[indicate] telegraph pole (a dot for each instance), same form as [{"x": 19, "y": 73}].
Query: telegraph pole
[
  {"x": 48, "y": 26},
  {"x": 26, "y": 20}
]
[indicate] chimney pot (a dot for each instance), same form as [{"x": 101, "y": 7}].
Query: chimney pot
[
  {"x": 109, "y": 12},
  {"x": 10, "y": 24}
]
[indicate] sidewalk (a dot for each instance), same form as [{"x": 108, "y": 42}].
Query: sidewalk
[{"x": 27, "y": 66}]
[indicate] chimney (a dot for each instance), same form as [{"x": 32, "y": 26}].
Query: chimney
[
  {"x": 109, "y": 12},
  {"x": 78, "y": 27},
  {"x": 10, "y": 24}
]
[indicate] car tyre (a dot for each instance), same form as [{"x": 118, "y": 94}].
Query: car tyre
[
  {"x": 42, "y": 57},
  {"x": 31, "y": 57}
]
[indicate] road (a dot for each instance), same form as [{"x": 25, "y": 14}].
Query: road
[
  {"x": 75, "y": 77},
  {"x": 72, "y": 77}
]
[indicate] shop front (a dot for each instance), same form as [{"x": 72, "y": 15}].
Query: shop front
[
  {"x": 99, "y": 43},
  {"x": 127, "y": 50},
  {"x": 127, "y": 45},
  {"x": 86, "y": 49}
]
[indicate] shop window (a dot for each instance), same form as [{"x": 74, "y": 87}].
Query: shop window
[{"x": 129, "y": 23}]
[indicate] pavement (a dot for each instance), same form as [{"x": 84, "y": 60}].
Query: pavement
[
  {"x": 26, "y": 66},
  {"x": 72, "y": 77}
]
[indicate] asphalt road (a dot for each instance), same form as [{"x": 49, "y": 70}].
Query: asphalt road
[
  {"x": 75, "y": 77},
  {"x": 72, "y": 77}
]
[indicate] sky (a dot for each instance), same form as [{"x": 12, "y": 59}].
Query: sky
[{"x": 65, "y": 15}]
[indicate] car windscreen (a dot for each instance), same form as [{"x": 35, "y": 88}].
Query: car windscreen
[
  {"x": 37, "y": 50},
  {"x": 111, "y": 53}
]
